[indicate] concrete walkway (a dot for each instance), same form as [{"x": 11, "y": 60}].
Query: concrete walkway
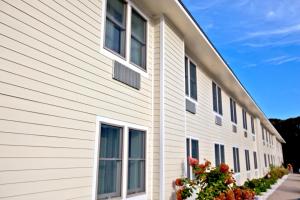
[{"x": 288, "y": 190}]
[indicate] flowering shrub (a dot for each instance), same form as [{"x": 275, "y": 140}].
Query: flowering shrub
[
  {"x": 263, "y": 184},
  {"x": 211, "y": 183}
]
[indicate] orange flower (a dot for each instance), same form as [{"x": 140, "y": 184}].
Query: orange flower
[
  {"x": 178, "y": 182},
  {"x": 230, "y": 195},
  {"x": 202, "y": 166},
  {"x": 207, "y": 163},
  {"x": 178, "y": 195},
  {"x": 224, "y": 168},
  {"x": 229, "y": 181},
  {"x": 193, "y": 161}
]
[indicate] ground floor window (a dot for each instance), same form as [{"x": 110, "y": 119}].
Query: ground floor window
[
  {"x": 247, "y": 157},
  {"x": 219, "y": 154},
  {"x": 236, "y": 160},
  {"x": 192, "y": 150},
  {"x": 255, "y": 159},
  {"x": 122, "y": 160}
]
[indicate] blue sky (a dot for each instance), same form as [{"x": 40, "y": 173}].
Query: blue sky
[{"x": 260, "y": 40}]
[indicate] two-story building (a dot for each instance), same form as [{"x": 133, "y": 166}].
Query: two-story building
[{"x": 106, "y": 99}]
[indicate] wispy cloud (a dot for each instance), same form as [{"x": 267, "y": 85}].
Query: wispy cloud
[
  {"x": 282, "y": 59},
  {"x": 283, "y": 42}
]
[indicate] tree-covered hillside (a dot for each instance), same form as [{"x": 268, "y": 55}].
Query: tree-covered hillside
[{"x": 290, "y": 131}]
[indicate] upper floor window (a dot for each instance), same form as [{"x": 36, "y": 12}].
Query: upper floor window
[
  {"x": 244, "y": 114},
  {"x": 236, "y": 160},
  {"x": 217, "y": 98},
  {"x": 116, "y": 32},
  {"x": 190, "y": 79},
  {"x": 192, "y": 150},
  {"x": 233, "y": 111},
  {"x": 219, "y": 154},
  {"x": 252, "y": 125},
  {"x": 262, "y": 132}
]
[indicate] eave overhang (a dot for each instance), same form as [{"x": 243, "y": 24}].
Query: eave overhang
[{"x": 207, "y": 55}]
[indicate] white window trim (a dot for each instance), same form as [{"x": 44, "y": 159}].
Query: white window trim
[
  {"x": 186, "y": 164},
  {"x": 126, "y": 126},
  {"x": 233, "y": 123},
  {"x": 237, "y": 173},
  {"x": 249, "y": 160},
  {"x": 216, "y": 113},
  {"x": 125, "y": 61},
  {"x": 246, "y": 121},
  {"x": 189, "y": 88},
  {"x": 214, "y": 153}
]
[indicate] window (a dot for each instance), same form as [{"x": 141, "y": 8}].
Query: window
[
  {"x": 236, "y": 160},
  {"x": 219, "y": 154},
  {"x": 263, "y": 134},
  {"x": 255, "y": 159},
  {"x": 192, "y": 150},
  {"x": 244, "y": 113},
  {"x": 252, "y": 125},
  {"x": 115, "y": 26},
  {"x": 265, "y": 159},
  {"x": 116, "y": 33},
  {"x": 138, "y": 40},
  {"x": 136, "y": 161},
  {"x": 110, "y": 162},
  {"x": 247, "y": 160},
  {"x": 233, "y": 111},
  {"x": 217, "y": 98},
  {"x": 190, "y": 79},
  {"x": 267, "y": 136},
  {"x": 269, "y": 162},
  {"x": 116, "y": 148}
]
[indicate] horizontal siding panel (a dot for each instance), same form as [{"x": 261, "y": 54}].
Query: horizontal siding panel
[
  {"x": 33, "y": 140},
  {"x": 46, "y": 131},
  {"x": 9, "y": 164},
  {"x": 35, "y": 187}
]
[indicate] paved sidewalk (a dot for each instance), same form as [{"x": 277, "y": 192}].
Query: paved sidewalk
[{"x": 288, "y": 190}]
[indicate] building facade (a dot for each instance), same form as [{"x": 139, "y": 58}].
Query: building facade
[{"x": 107, "y": 99}]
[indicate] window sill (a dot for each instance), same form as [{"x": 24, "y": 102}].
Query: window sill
[
  {"x": 139, "y": 196},
  {"x": 121, "y": 60}
]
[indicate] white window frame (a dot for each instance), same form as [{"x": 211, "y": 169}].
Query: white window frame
[
  {"x": 218, "y": 143},
  {"x": 125, "y": 61},
  {"x": 189, "y": 85},
  {"x": 248, "y": 170},
  {"x": 217, "y": 113},
  {"x": 238, "y": 159},
  {"x": 126, "y": 126},
  {"x": 186, "y": 163},
  {"x": 245, "y": 121},
  {"x": 234, "y": 113}
]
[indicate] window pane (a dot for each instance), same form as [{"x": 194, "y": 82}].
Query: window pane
[
  {"x": 235, "y": 117},
  {"x": 217, "y": 155},
  {"x": 138, "y": 53},
  {"x": 186, "y": 76},
  {"x": 193, "y": 80},
  {"x": 234, "y": 160},
  {"x": 110, "y": 163},
  {"x": 136, "y": 162},
  {"x": 115, "y": 38},
  {"x": 138, "y": 40},
  {"x": 136, "y": 176},
  {"x": 138, "y": 27},
  {"x": 187, "y": 156},
  {"x": 110, "y": 142},
  {"x": 214, "y": 91},
  {"x": 195, "y": 149},
  {"x": 109, "y": 178},
  {"x": 116, "y": 9},
  {"x": 231, "y": 110},
  {"x": 136, "y": 144},
  {"x": 222, "y": 154},
  {"x": 238, "y": 160},
  {"x": 220, "y": 101}
]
